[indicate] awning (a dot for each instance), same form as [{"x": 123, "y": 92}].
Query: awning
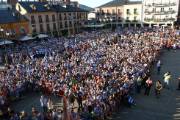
[
  {"x": 5, "y": 42},
  {"x": 26, "y": 38},
  {"x": 96, "y": 25},
  {"x": 42, "y": 36}
]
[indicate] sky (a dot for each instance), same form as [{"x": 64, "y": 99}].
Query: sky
[
  {"x": 90, "y": 3},
  {"x": 94, "y": 3}
]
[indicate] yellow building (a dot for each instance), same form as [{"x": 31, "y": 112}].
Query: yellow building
[
  {"x": 12, "y": 24},
  {"x": 52, "y": 19}
]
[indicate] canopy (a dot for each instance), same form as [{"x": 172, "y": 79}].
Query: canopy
[
  {"x": 26, "y": 38},
  {"x": 42, "y": 36},
  {"x": 5, "y": 42}
]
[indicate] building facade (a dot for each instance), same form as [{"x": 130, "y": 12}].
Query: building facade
[
  {"x": 12, "y": 24},
  {"x": 121, "y": 13},
  {"x": 52, "y": 19},
  {"x": 160, "y": 12}
]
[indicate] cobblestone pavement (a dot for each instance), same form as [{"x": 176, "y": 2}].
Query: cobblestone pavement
[{"x": 167, "y": 107}]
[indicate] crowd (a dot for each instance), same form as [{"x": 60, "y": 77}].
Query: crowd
[{"x": 97, "y": 70}]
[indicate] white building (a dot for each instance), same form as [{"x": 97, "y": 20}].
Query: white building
[
  {"x": 133, "y": 13},
  {"x": 160, "y": 12}
]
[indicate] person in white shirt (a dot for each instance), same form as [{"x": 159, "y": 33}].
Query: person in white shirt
[{"x": 167, "y": 78}]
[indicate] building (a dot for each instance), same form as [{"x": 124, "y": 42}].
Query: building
[
  {"x": 12, "y": 24},
  {"x": 120, "y": 12},
  {"x": 178, "y": 16},
  {"x": 53, "y": 19},
  {"x": 160, "y": 12}
]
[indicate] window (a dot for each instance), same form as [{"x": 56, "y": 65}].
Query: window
[
  {"x": 48, "y": 28},
  {"x": 66, "y": 24},
  {"x": 128, "y": 12},
  {"x": 60, "y": 18},
  {"x": 119, "y": 11},
  {"x": 170, "y": 9},
  {"x": 127, "y": 18},
  {"x": 162, "y": 9},
  {"x": 70, "y": 24},
  {"x": 32, "y": 20},
  {"x": 74, "y": 15},
  {"x": 47, "y": 18},
  {"x": 41, "y": 28},
  {"x": 113, "y": 11},
  {"x": 135, "y": 11},
  {"x": 53, "y": 18},
  {"x": 135, "y": 18},
  {"x": 107, "y": 11},
  {"x": 40, "y": 19},
  {"x": 34, "y": 28},
  {"x": 22, "y": 30},
  {"x": 54, "y": 26},
  {"x": 65, "y": 16},
  {"x": 154, "y": 9},
  {"x": 61, "y": 26}
]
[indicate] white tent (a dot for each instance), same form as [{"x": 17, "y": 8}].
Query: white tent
[
  {"x": 26, "y": 38},
  {"x": 42, "y": 36},
  {"x": 5, "y": 42}
]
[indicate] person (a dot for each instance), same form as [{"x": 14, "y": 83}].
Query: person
[
  {"x": 50, "y": 105},
  {"x": 158, "y": 67},
  {"x": 167, "y": 78},
  {"x": 139, "y": 84},
  {"x": 44, "y": 101},
  {"x": 158, "y": 88},
  {"x": 178, "y": 84},
  {"x": 148, "y": 86}
]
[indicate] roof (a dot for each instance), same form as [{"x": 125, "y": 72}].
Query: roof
[
  {"x": 115, "y": 3},
  {"x": 36, "y": 6},
  {"x": 87, "y": 8},
  {"x": 74, "y": 9},
  {"x": 9, "y": 16}
]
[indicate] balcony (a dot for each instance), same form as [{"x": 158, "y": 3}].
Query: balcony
[
  {"x": 135, "y": 21},
  {"x": 148, "y": 12},
  {"x": 128, "y": 13},
  {"x": 165, "y": 12},
  {"x": 127, "y": 21},
  {"x": 136, "y": 13},
  {"x": 148, "y": 19},
  {"x": 165, "y": 4},
  {"x": 159, "y": 20},
  {"x": 148, "y": 5}
]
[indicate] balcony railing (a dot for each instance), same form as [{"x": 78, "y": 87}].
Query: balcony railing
[
  {"x": 165, "y": 4},
  {"x": 159, "y": 20},
  {"x": 165, "y": 12},
  {"x": 160, "y": 12},
  {"x": 136, "y": 13},
  {"x": 127, "y": 20}
]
